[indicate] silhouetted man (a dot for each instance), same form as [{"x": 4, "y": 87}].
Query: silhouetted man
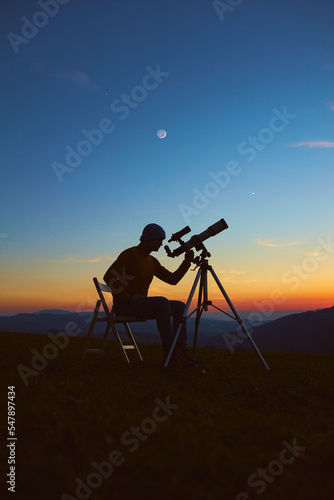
[{"x": 129, "y": 278}]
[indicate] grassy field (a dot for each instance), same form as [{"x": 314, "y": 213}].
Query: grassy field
[{"x": 102, "y": 429}]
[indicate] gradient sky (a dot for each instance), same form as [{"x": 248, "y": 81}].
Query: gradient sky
[{"x": 246, "y": 96}]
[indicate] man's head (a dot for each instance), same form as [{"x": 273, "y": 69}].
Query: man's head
[{"x": 153, "y": 236}]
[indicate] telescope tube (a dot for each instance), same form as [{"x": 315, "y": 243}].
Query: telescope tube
[{"x": 199, "y": 238}]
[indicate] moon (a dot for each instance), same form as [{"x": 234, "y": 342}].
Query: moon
[{"x": 161, "y": 133}]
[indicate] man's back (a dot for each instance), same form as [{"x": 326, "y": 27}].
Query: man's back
[{"x": 131, "y": 273}]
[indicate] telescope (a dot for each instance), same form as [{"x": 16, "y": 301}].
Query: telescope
[
  {"x": 201, "y": 279},
  {"x": 195, "y": 241}
]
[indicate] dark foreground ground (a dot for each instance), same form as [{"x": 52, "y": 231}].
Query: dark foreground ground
[{"x": 101, "y": 429}]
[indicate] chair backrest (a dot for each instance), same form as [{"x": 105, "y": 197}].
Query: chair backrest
[
  {"x": 110, "y": 313},
  {"x": 101, "y": 288}
]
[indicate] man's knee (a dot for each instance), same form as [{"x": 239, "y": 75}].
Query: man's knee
[
  {"x": 177, "y": 307},
  {"x": 161, "y": 300},
  {"x": 162, "y": 303}
]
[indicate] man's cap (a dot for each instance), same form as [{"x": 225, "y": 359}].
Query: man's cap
[{"x": 151, "y": 232}]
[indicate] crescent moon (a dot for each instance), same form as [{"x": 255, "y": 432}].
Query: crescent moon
[{"x": 161, "y": 133}]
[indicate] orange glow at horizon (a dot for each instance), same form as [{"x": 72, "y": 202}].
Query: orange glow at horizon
[
  {"x": 86, "y": 300},
  {"x": 70, "y": 287}
]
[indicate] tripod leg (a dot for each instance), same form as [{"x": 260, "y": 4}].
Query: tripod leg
[
  {"x": 237, "y": 317},
  {"x": 198, "y": 317},
  {"x": 203, "y": 291},
  {"x": 199, "y": 272}
]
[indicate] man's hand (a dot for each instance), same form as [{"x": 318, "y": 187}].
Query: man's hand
[{"x": 189, "y": 256}]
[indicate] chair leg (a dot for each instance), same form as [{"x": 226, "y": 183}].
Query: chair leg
[
  {"x": 120, "y": 343},
  {"x": 132, "y": 340},
  {"x": 110, "y": 325},
  {"x": 104, "y": 343},
  {"x": 90, "y": 330}
]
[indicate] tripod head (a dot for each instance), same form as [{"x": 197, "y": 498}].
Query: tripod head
[{"x": 201, "y": 258}]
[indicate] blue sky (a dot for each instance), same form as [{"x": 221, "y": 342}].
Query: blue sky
[{"x": 222, "y": 81}]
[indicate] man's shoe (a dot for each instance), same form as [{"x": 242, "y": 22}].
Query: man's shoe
[
  {"x": 181, "y": 358},
  {"x": 185, "y": 359},
  {"x": 185, "y": 354},
  {"x": 189, "y": 361}
]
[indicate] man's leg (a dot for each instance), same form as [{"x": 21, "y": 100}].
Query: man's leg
[
  {"x": 177, "y": 310},
  {"x": 157, "y": 308}
]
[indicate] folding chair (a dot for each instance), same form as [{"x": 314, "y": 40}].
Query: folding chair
[{"x": 112, "y": 321}]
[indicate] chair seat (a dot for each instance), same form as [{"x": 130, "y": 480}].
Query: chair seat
[
  {"x": 111, "y": 321},
  {"x": 128, "y": 319}
]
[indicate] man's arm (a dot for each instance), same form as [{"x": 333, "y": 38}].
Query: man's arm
[{"x": 173, "y": 278}]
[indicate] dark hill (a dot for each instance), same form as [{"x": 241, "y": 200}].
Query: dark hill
[
  {"x": 308, "y": 332},
  {"x": 43, "y": 322}
]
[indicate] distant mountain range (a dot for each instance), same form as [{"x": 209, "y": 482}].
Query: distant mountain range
[
  {"x": 57, "y": 319},
  {"x": 53, "y": 311},
  {"x": 311, "y": 331}
]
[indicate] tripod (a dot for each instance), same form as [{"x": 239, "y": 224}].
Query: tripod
[{"x": 202, "y": 263}]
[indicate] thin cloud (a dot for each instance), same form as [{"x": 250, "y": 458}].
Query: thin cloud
[
  {"x": 75, "y": 76},
  {"x": 230, "y": 275},
  {"x": 78, "y": 77},
  {"x": 269, "y": 243},
  {"x": 315, "y": 254},
  {"x": 230, "y": 271},
  {"x": 331, "y": 106},
  {"x": 314, "y": 144},
  {"x": 75, "y": 260}
]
